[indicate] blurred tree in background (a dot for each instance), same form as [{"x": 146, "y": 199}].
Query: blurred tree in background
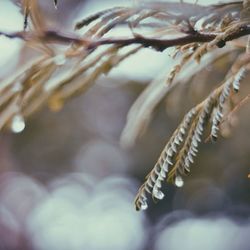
[{"x": 68, "y": 177}]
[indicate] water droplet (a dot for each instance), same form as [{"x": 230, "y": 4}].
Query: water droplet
[
  {"x": 17, "y": 87},
  {"x": 158, "y": 194},
  {"x": 17, "y": 124},
  {"x": 179, "y": 181},
  {"x": 59, "y": 60},
  {"x": 55, "y": 4},
  {"x": 165, "y": 166},
  {"x": 144, "y": 205}
]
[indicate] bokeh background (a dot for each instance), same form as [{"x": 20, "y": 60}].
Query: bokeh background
[{"x": 67, "y": 184}]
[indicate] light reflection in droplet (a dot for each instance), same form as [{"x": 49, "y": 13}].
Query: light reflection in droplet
[
  {"x": 17, "y": 87},
  {"x": 59, "y": 60},
  {"x": 158, "y": 194},
  {"x": 179, "y": 181},
  {"x": 17, "y": 124},
  {"x": 144, "y": 205}
]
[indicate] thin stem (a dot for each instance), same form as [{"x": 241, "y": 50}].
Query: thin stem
[{"x": 159, "y": 44}]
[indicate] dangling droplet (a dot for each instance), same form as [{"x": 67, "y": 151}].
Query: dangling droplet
[
  {"x": 17, "y": 87},
  {"x": 179, "y": 181},
  {"x": 144, "y": 205},
  {"x": 158, "y": 194},
  {"x": 55, "y": 4},
  {"x": 59, "y": 60},
  {"x": 17, "y": 124}
]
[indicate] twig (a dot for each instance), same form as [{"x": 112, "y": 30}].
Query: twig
[{"x": 159, "y": 44}]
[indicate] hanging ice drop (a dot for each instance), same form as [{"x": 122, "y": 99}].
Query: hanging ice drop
[
  {"x": 179, "y": 181},
  {"x": 17, "y": 124}
]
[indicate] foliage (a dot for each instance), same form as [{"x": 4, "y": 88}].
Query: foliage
[{"x": 200, "y": 35}]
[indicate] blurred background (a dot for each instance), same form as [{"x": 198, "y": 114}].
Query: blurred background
[{"x": 66, "y": 183}]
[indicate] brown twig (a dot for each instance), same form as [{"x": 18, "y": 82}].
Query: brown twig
[{"x": 159, "y": 44}]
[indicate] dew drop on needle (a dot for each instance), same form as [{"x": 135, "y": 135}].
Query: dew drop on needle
[
  {"x": 158, "y": 194},
  {"x": 144, "y": 205},
  {"x": 17, "y": 87},
  {"x": 59, "y": 60},
  {"x": 17, "y": 124},
  {"x": 179, "y": 181}
]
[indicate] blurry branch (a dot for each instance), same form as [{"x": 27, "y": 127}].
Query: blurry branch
[
  {"x": 158, "y": 44},
  {"x": 31, "y": 9},
  {"x": 70, "y": 63},
  {"x": 141, "y": 111},
  {"x": 178, "y": 155}
]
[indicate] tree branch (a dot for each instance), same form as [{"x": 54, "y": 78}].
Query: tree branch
[{"x": 158, "y": 44}]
